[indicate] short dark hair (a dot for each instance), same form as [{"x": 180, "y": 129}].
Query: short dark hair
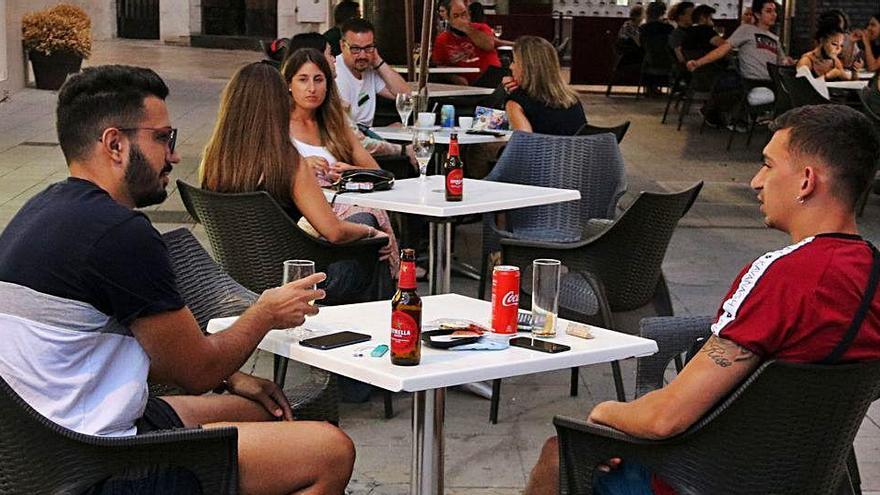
[
  {"x": 307, "y": 40},
  {"x": 345, "y": 11},
  {"x": 475, "y": 9},
  {"x": 702, "y": 11},
  {"x": 636, "y": 11},
  {"x": 758, "y": 5},
  {"x": 840, "y": 137},
  {"x": 678, "y": 10},
  {"x": 655, "y": 10},
  {"x": 101, "y": 97},
  {"x": 357, "y": 25},
  {"x": 838, "y": 16}
]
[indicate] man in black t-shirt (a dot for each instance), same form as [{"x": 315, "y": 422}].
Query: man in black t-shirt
[{"x": 89, "y": 306}]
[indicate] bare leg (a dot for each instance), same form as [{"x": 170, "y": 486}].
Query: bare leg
[
  {"x": 544, "y": 479},
  {"x": 275, "y": 457}
]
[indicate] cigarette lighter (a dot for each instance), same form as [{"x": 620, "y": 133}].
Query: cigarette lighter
[{"x": 379, "y": 351}]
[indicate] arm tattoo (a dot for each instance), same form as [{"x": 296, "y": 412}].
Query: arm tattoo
[{"x": 724, "y": 352}]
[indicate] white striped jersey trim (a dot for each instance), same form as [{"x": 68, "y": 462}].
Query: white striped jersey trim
[{"x": 748, "y": 282}]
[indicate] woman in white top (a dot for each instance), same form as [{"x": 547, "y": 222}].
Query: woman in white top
[{"x": 320, "y": 132}]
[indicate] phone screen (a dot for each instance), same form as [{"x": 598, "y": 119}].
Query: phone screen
[
  {"x": 335, "y": 340},
  {"x": 538, "y": 345}
]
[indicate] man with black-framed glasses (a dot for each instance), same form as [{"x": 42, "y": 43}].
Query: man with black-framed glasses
[
  {"x": 89, "y": 305},
  {"x": 362, "y": 74}
]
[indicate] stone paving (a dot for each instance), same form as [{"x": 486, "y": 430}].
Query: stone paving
[{"x": 722, "y": 232}]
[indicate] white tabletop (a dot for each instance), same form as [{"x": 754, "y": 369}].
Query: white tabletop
[
  {"x": 440, "y": 90},
  {"x": 864, "y": 74},
  {"x": 852, "y": 85},
  {"x": 480, "y": 196},
  {"x": 504, "y": 48},
  {"x": 441, "y": 135},
  {"x": 440, "y": 368},
  {"x": 440, "y": 70}
]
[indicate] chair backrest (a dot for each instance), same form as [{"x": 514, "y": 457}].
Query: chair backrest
[
  {"x": 802, "y": 91},
  {"x": 619, "y": 131},
  {"x": 208, "y": 291},
  {"x": 592, "y": 165},
  {"x": 659, "y": 58},
  {"x": 628, "y": 255},
  {"x": 250, "y": 235},
  {"x": 782, "y": 101},
  {"x": 39, "y": 456}
]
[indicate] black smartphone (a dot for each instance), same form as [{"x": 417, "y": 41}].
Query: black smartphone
[
  {"x": 485, "y": 133},
  {"x": 335, "y": 340},
  {"x": 538, "y": 345}
]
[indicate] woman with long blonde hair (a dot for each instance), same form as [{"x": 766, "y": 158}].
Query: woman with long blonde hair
[
  {"x": 249, "y": 150},
  {"x": 540, "y": 101},
  {"x": 320, "y": 132}
]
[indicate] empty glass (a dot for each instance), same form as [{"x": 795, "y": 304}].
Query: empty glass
[
  {"x": 545, "y": 296},
  {"x": 423, "y": 148},
  {"x": 295, "y": 270},
  {"x": 405, "y": 103}
]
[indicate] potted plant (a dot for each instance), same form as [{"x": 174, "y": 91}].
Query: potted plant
[{"x": 57, "y": 40}]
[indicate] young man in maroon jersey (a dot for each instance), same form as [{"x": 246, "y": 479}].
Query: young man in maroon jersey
[{"x": 793, "y": 304}]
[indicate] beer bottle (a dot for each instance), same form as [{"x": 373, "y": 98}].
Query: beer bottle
[
  {"x": 406, "y": 314},
  {"x": 454, "y": 171}
]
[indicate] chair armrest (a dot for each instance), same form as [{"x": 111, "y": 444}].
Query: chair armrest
[{"x": 674, "y": 335}]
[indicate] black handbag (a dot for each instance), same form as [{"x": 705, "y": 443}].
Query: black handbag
[{"x": 364, "y": 180}]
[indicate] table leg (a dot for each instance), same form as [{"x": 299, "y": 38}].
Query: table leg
[
  {"x": 441, "y": 257},
  {"x": 426, "y": 475}
]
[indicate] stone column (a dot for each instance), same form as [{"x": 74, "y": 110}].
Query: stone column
[{"x": 174, "y": 22}]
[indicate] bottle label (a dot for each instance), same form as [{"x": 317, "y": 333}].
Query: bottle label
[
  {"x": 455, "y": 181},
  {"x": 404, "y": 332},
  {"x": 407, "y": 278}
]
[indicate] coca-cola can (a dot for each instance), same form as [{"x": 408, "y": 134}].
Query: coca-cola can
[{"x": 505, "y": 299}]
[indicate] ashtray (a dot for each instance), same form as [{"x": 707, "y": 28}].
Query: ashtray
[{"x": 442, "y": 339}]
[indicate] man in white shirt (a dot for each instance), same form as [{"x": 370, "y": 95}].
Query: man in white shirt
[{"x": 361, "y": 74}]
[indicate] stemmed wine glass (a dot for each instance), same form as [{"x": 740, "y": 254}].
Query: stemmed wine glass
[
  {"x": 295, "y": 270},
  {"x": 405, "y": 103},
  {"x": 423, "y": 148}
]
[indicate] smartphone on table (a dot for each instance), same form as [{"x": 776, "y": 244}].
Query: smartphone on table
[
  {"x": 334, "y": 340},
  {"x": 538, "y": 345}
]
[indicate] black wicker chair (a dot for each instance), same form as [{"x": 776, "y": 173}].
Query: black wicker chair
[
  {"x": 251, "y": 236},
  {"x": 802, "y": 92},
  {"x": 800, "y": 421},
  {"x": 211, "y": 293},
  {"x": 39, "y": 456},
  {"x": 619, "y": 131},
  {"x": 618, "y": 264}
]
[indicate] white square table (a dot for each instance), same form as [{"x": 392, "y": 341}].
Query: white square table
[
  {"x": 438, "y": 368},
  {"x": 441, "y": 135},
  {"x": 426, "y": 197},
  {"x": 848, "y": 85}
]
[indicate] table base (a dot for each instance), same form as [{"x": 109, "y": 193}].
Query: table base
[{"x": 429, "y": 409}]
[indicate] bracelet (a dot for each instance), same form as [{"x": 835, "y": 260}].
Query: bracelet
[{"x": 380, "y": 65}]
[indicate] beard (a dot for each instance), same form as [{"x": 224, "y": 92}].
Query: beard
[{"x": 144, "y": 186}]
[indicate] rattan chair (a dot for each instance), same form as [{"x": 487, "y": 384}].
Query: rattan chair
[
  {"x": 251, "y": 236},
  {"x": 624, "y": 256},
  {"x": 39, "y": 456},
  {"x": 211, "y": 293},
  {"x": 619, "y": 131},
  {"x": 787, "y": 429},
  {"x": 699, "y": 89},
  {"x": 592, "y": 165}
]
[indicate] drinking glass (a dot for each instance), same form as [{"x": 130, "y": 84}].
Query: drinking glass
[
  {"x": 498, "y": 30},
  {"x": 405, "y": 103},
  {"x": 423, "y": 148},
  {"x": 545, "y": 296},
  {"x": 295, "y": 270}
]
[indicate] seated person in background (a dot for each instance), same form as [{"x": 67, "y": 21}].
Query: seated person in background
[
  {"x": 824, "y": 61},
  {"x": 344, "y": 10},
  {"x": 540, "y": 101},
  {"x": 361, "y": 73},
  {"x": 90, "y": 306},
  {"x": 850, "y": 55},
  {"x": 795, "y": 304},
  {"x": 627, "y": 45},
  {"x": 747, "y": 16},
  {"x": 654, "y": 40},
  {"x": 376, "y": 146},
  {"x": 680, "y": 14},
  {"x": 701, "y": 38},
  {"x": 870, "y": 43},
  {"x": 250, "y": 150},
  {"x": 320, "y": 132},
  {"x": 465, "y": 44}
]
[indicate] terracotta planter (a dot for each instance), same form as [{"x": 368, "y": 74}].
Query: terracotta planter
[{"x": 50, "y": 71}]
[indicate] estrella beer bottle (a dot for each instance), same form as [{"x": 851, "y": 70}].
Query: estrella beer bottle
[
  {"x": 406, "y": 314},
  {"x": 453, "y": 169}
]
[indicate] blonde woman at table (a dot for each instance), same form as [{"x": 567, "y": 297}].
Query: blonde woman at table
[
  {"x": 539, "y": 100},
  {"x": 250, "y": 150},
  {"x": 320, "y": 132},
  {"x": 824, "y": 60}
]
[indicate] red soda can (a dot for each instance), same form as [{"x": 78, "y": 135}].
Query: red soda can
[{"x": 505, "y": 299}]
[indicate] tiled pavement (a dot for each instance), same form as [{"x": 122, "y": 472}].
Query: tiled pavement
[{"x": 721, "y": 233}]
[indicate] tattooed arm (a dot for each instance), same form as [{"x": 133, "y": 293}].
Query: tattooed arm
[{"x": 719, "y": 367}]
